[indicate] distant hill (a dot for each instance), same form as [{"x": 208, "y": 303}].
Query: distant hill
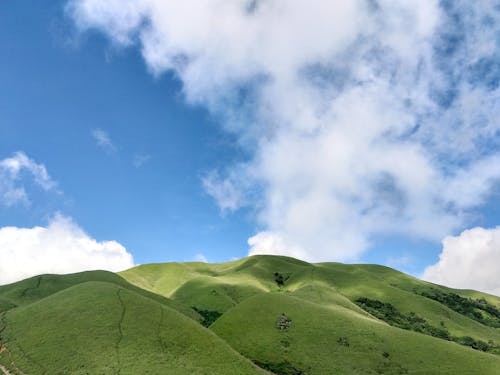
[{"x": 262, "y": 314}]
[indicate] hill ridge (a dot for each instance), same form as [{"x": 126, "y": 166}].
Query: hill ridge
[{"x": 342, "y": 318}]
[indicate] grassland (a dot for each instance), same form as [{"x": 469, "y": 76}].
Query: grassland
[
  {"x": 322, "y": 297},
  {"x": 102, "y": 327},
  {"x": 287, "y": 316}
]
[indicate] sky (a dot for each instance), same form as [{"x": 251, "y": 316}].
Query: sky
[{"x": 140, "y": 131}]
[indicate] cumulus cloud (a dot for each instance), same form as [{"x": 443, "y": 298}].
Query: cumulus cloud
[
  {"x": 16, "y": 169},
  {"x": 361, "y": 117},
  {"x": 103, "y": 140},
  {"x": 61, "y": 247},
  {"x": 273, "y": 244},
  {"x": 470, "y": 260}
]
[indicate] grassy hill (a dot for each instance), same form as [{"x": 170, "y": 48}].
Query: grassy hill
[
  {"x": 325, "y": 340},
  {"x": 104, "y": 327},
  {"x": 35, "y": 288},
  {"x": 251, "y": 293},
  {"x": 284, "y": 315}
]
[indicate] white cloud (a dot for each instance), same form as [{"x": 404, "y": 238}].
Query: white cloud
[
  {"x": 13, "y": 171},
  {"x": 140, "y": 159},
  {"x": 360, "y": 117},
  {"x": 273, "y": 244},
  {"x": 228, "y": 196},
  {"x": 61, "y": 247},
  {"x": 200, "y": 258},
  {"x": 103, "y": 140},
  {"x": 470, "y": 260}
]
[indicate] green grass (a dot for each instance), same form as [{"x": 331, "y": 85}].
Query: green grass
[
  {"x": 334, "y": 287},
  {"x": 219, "y": 287},
  {"x": 35, "y": 288},
  {"x": 312, "y": 344},
  {"x": 103, "y": 328},
  {"x": 151, "y": 318}
]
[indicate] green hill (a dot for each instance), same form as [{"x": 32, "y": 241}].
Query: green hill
[
  {"x": 322, "y": 340},
  {"x": 284, "y": 315},
  {"x": 249, "y": 289},
  {"x": 100, "y": 327},
  {"x": 35, "y": 288}
]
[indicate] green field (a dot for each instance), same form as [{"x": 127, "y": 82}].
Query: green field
[{"x": 262, "y": 314}]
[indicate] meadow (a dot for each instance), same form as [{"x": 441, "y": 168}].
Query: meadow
[{"x": 257, "y": 315}]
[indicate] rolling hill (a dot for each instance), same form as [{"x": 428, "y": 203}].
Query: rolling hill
[{"x": 284, "y": 315}]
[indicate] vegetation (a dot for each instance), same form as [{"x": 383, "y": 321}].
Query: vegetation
[
  {"x": 280, "y": 279},
  {"x": 314, "y": 348},
  {"x": 103, "y": 328},
  {"x": 209, "y": 316},
  {"x": 343, "y": 341},
  {"x": 410, "y": 321},
  {"x": 141, "y": 321},
  {"x": 413, "y": 322},
  {"x": 477, "y": 309},
  {"x": 281, "y": 368}
]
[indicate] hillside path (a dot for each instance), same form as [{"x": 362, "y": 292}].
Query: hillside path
[{"x": 5, "y": 371}]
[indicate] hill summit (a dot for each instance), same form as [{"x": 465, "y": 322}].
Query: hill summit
[{"x": 257, "y": 315}]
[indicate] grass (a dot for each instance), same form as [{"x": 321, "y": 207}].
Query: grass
[
  {"x": 153, "y": 319},
  {"x": 332, "y": 286},
  {"x": 220, "y": 287},
  {"x": 324, "y": 341},
  {"x": 103, "y": 328},
  {"x": 36, "y": 288}
]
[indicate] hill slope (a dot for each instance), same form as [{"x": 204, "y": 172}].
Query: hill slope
[
  {"x": 326, "y": 340},
  {"x": 287, "y": 316},
  {"x": 35, "y": 288},
  {"x": 244, "y": 291},
  {"x": 220, "y": 287},
  {"x": 102, "y": 328}
]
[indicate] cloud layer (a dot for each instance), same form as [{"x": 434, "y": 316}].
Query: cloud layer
[
  {"x": 361, "y": 117},
  {"x": 61, "y": 247},
  {"x": 469, "y": 261},
  {"x": 13, "y": 172}
]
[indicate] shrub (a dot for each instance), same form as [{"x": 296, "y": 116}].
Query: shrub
[
  {"x": 413, "y": 322},
  {"x": 343, "y": 341},
  {"x": 280, "y": 279},
  {"x": 477, "y": 309},
  {"x": 209, "y": 316},
  {"x": 279, "y": 368}
]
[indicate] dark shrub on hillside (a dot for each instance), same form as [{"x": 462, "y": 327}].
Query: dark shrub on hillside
[
  {"x": 474, "y": 344},
  {"x": 413, "y": 322},
  {"x": 279, "y": 368},
  {"x": 477, "y": 309},
  {"x": 280, "y": 279},
  {"x": 209, "y": 316},
  {"x": 343, "y": 341}
]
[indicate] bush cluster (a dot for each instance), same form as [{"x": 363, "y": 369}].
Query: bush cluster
[
  {"x": 391, "y": 315},
  {"x": 477, "y": 309},
  {"x": 209, "y": 316},
  {"x": 279, "y": 368},
  {"x": 280, "y": 278},
  {"x": 413, "y": 322}
]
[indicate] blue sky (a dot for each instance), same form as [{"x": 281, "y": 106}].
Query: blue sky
[
  {"x": 56, "y": 90},
  {"x": 371, "y": 141}
]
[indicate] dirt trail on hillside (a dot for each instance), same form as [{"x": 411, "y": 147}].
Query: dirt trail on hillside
[{"x": 5, "y": 371}]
